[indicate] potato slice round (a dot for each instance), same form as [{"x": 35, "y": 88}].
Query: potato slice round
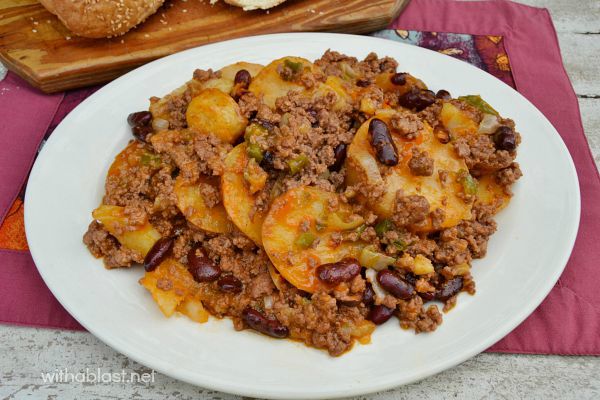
[
  {"x": 140, "y": 237},
  {"x": 364, "y": 169},
  {"x": 173, "y": 288},
  {"x": 269, "y": 84},
  {"x": 237, "y": 198},
  {"x": 225, "y": 82},
  {"x": 457, "y": 122},
  {"x": 192, "y": 205},
  {"x": 489, "y": 192},
  {"x": 309, "y": 207},
  {"x": 339, "y": 88},
  {"x": 214, "y": 112},
  {"x": 136, "y": 154}
]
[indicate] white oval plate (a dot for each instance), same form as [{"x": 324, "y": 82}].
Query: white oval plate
[{"x": 525, "y": 258}]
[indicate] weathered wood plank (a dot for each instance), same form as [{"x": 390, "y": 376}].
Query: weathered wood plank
[
  {"x": 590, "y": 112},
  {"x": 571, "y": 16},
  {"x": 34, "y": 44},
  {"x": 29, "y": 352},
  {"x": 581, "y": 56}
]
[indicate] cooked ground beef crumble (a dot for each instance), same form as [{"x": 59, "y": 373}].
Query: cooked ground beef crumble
[{"x": 173, "y": 198}]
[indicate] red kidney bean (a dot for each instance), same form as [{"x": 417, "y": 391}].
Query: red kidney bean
[
  {"x": 449, "y": 288},
  {"x": 141, "y": 132},
  {"x": 410, "y": 278},
  {"x": 340, "y": 156},
  {"x": 338, "y": 272},
  {"x": 203, "y": 269},
  {"x": 142, "y": 118},
  {"x": 266, "y": 124},
  {"x": 417, "y": 99},
  {"x": 268, "y": 326},
  {"x": 368, "y": 295},
  {"x": 427, "y": 296},
  {"x": 382, "y": 142},
  {"x": 442, "y": 135},
  {"x": 242, "y": 78},
  {"x": 443, "y": 94},
  {"x": 396, "y": 286},
  {"x": 230, "y": 284},
  {"x": 363, "y": 82},
  {"x": 267, "y": 162},
  {"x": 380, "y": 314},
  {"x": 505, "y": 139},
  {"x": 241, "y": 82},
  {"x": 399, "y": 78},
  {"x": 157, "y": 253}
]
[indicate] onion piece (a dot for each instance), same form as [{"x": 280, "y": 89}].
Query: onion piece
[
  {"x": 370, "y": 258},
  {"x": 489, "y": 123},
  {"x": 371, "y": 275},
  {"x": 268, "y": 302},
  {"x": 159, "y": 124}
]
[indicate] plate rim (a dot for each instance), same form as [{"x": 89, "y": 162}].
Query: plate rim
[{"x": 231, "y": 387}]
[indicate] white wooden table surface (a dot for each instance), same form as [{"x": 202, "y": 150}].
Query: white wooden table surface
[{"x": 26, "y": 352}]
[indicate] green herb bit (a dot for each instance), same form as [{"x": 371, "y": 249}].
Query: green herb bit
[
  {"x": 254, "y": 151},
  {"x": 295, "y": 66},
  {"x": 305, "y": 239},
  {"x": 150, "y": 159},
  {"x": 383, "y": 226},
  {"x": 400, "y": 245},
  {"x": 468, "y": 182},
  {"x": 254, "y": 129},
  {"x": 320, "y": 225},
  {"x": 476, "y": 101},
  {"x": 361, "y": 229},
  {"x": 296, "y": 164}
]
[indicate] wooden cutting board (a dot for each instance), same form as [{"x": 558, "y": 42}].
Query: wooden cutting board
[{"x": 35, "y": 45}]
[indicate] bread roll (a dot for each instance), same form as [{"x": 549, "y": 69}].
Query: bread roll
[
  {"x": 248, "y": 5},
  {"x": 101, "y": 18}
]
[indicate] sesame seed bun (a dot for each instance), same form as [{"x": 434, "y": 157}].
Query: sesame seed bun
[{"x": 101, "y": 18}]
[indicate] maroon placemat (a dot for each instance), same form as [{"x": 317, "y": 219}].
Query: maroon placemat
[{"x": 516, "y": 43}]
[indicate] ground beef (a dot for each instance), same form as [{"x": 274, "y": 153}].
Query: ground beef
[
  {"x": 310, "y": 127},
  {"x": 406, "y": 124},
  {"x": 480, "y": 154},
  {"x": 211, "y": 154},
  {"x": 202, "y": 75},
  {"x": 102, "y": 244},
  {"x": 249, "y": 104},
  {"x": 410, "y": 209},
  {"x": 336, "y": 64},
  {"x": 413, "y": 315},
  {"x": 420, "y": 164},
  {"x": 509, "y": 175}
]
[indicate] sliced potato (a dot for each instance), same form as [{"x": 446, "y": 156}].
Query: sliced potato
[
  {"x": 457, "y": 122},
  {"x": 192, "y": 205},
  {"x": 170, "y": 284},
  {"x": 490, "y": 192},
  {"x": 337, "y": 86},
  {"x": 140, "y": 238},
  {"x": 363, "y": 168},
  {"x": 160, "y": 109},
  {"x": 192, "y": 308},
  {"x": 225, "y": 82},
  {"x": 269, "y": 84},
  {"x": 136, "y": 154},
  {"x": 237, "y": 197},
  {"x": 384, "y": 81},
  {"x": 214, "y": 112},
  {"x": 296, "y": 259}
]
